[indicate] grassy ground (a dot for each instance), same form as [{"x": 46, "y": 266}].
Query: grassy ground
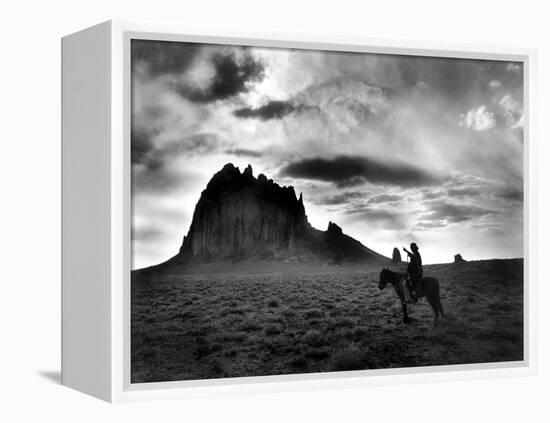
[{"x": 196, "y": 327}]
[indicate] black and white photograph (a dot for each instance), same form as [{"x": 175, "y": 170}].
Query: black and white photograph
[{"x": 303, "y": 211}]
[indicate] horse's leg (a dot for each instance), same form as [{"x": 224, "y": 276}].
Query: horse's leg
[
  {"x": 435, "y": 305},
  {"x": 438, "y": 300},
  {"x": 405, "y": 315}
]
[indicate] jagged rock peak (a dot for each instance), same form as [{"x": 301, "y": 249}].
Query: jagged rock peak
[
  {"x": 240, "y": 217},
  {"x": 458, "y": 258},
  {"x": 238, "y": 214},
  {"x": 334, "y": 229},
  {"x": 231, "y": 179}
]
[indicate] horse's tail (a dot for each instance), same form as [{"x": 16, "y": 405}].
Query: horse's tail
[{"x": 432, "y": 294}]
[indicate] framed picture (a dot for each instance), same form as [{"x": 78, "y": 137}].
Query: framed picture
[{"x": 248, "y": 213}]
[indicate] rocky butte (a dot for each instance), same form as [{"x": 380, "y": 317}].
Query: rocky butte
[{"x": 239, "y": 217}]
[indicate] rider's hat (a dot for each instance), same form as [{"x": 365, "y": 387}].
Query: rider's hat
[{"x": 414, "y": 246}]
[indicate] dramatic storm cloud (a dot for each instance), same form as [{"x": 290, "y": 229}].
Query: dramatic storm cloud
[
  {"x": 394, "y": 149},
  {"x": 230, "y": 78},
  {"x": 346, "y": 170},
  {"x": 271, "y": 110},
  {"x": 228, "y": 73}
]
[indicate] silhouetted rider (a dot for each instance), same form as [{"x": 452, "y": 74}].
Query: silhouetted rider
[{"x": 414, "y": 270}]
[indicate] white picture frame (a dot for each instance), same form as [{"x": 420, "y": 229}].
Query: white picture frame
[{"x": 96, "y": 227}]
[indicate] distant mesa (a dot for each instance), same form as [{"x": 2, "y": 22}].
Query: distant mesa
[
  {"x": 458, "y": 258},
  {"x": 396, "y": 256},
  {"x": 239, "y": 217}
]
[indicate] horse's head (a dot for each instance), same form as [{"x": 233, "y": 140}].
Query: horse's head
[{"x": 383, "y": 279}]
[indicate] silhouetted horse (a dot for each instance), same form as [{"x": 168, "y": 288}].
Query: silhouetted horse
[{"x": 428, "y": 287}]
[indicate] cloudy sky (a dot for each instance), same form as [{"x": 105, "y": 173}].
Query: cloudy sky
[{"x": 394, "y": 149}]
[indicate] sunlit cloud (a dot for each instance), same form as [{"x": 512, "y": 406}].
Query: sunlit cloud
[{"x": 479, "y": 119}]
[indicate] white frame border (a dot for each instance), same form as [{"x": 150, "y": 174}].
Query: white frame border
[{"x": 122, "y": 390}]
